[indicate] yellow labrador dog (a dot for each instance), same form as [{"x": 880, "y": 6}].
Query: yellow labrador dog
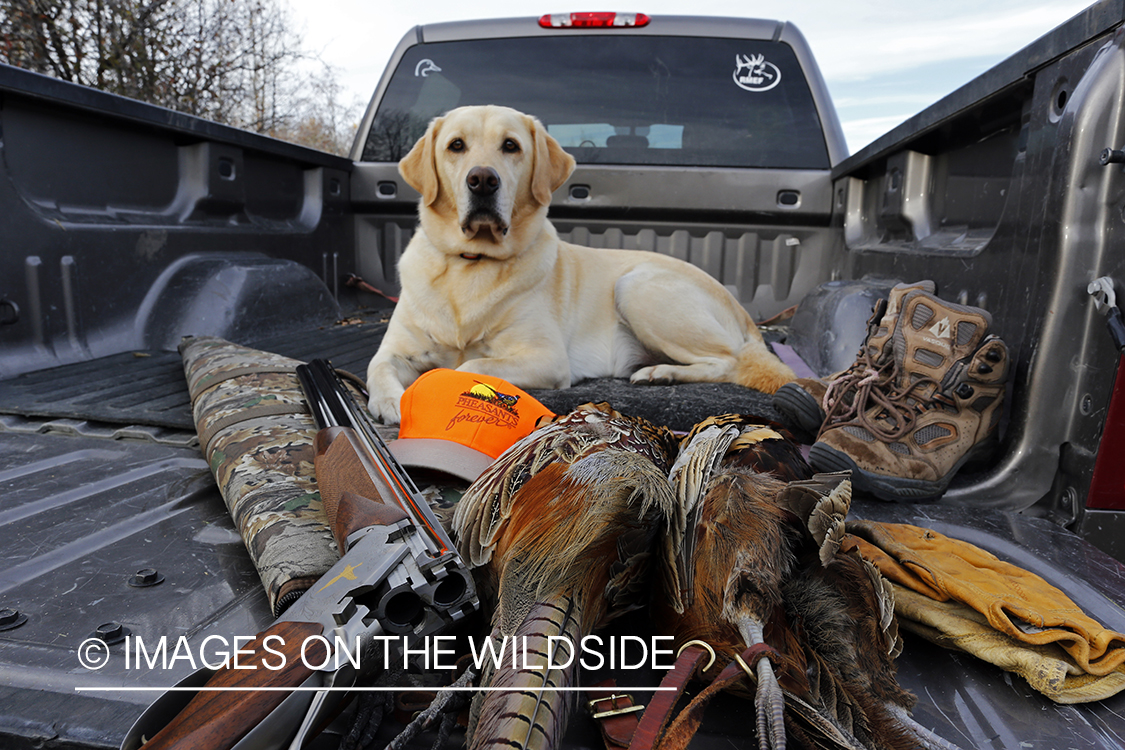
[{"x": 488, "y": 286}]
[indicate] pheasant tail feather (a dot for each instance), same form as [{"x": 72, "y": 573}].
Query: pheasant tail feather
[{"x": 524, "y": 708}]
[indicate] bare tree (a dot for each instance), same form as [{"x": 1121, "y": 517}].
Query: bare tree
[
  {"x": 319, "y": 117},
  {"x": 233, "y": 61},
  {"x": 393, "y": 134}
]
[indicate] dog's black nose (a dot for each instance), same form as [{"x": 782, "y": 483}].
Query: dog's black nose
[{"x": 483, "y": 180}]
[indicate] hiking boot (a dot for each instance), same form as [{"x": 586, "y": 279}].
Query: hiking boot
[
  {"x": 934, "y": 408},
  {"x": 803, "y": 400}
]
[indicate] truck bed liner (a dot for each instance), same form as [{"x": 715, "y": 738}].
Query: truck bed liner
[{"x": 148, "y": 387}]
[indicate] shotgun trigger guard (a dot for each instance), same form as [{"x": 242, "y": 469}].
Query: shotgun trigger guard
[
  {"x": 321, "y": 708},
  {"x": 1101, "y": 290},
  {"x": 277, "y": 727},
  {"x": 273, "y": 731}
]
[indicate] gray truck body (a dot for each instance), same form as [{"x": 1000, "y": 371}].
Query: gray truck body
[{"x": 127, "y": 226}]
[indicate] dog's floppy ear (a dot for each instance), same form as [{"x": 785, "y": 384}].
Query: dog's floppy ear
[
  {"x": 419, "y": 168},
  {"x": 552, "y": 165}
]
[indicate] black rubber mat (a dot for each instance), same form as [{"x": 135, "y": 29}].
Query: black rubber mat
[
  {"x": 677, "y": 406},
  {"x": 128, "y": 388},
  {"x": 148, "y": 388}
]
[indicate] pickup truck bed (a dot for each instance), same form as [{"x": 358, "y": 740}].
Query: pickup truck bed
[{"x": 126, "y": 227}]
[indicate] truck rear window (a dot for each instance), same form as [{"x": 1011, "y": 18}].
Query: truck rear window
[{"x": 618, "y": 99}]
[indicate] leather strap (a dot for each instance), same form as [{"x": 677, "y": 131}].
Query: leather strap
[
  {"x": 615, "y": 712},
  {"x": 648, "y": 731},
  {"x": 685, "y": 726}
]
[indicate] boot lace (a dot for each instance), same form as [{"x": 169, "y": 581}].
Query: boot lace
[{"x": 899, "y": 404}]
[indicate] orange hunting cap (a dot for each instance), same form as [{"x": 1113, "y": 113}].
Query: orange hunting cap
[{"x": 460, "y": 422}]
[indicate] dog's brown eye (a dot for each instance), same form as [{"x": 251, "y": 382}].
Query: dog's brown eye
[
  {"x": 457, "y": 145},
  {"x": 510, "y": 147}
]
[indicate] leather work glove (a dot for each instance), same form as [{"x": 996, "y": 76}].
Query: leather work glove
[{"x": 960, "y": 596}]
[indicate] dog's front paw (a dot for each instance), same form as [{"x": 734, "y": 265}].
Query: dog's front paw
[{"x": 386, "y": 410}]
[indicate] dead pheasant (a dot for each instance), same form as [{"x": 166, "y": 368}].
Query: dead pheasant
[
  {"x": 561, "y": 527},
  {"x": 760, "y": 572}
]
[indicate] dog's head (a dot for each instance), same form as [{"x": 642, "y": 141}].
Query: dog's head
[{"x": 485, "y": 173}]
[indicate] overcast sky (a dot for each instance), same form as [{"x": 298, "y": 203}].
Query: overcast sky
[{"x": 884, "y": 60}]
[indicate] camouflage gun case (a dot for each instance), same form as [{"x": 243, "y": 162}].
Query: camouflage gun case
[{"x": 256, "y": 433}]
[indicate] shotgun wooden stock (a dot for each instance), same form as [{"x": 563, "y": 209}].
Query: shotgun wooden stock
[
  {"x": 217, "y": 717},
  {"x": 333, "y": 406},
  {"x": 350, "y": 488}
]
